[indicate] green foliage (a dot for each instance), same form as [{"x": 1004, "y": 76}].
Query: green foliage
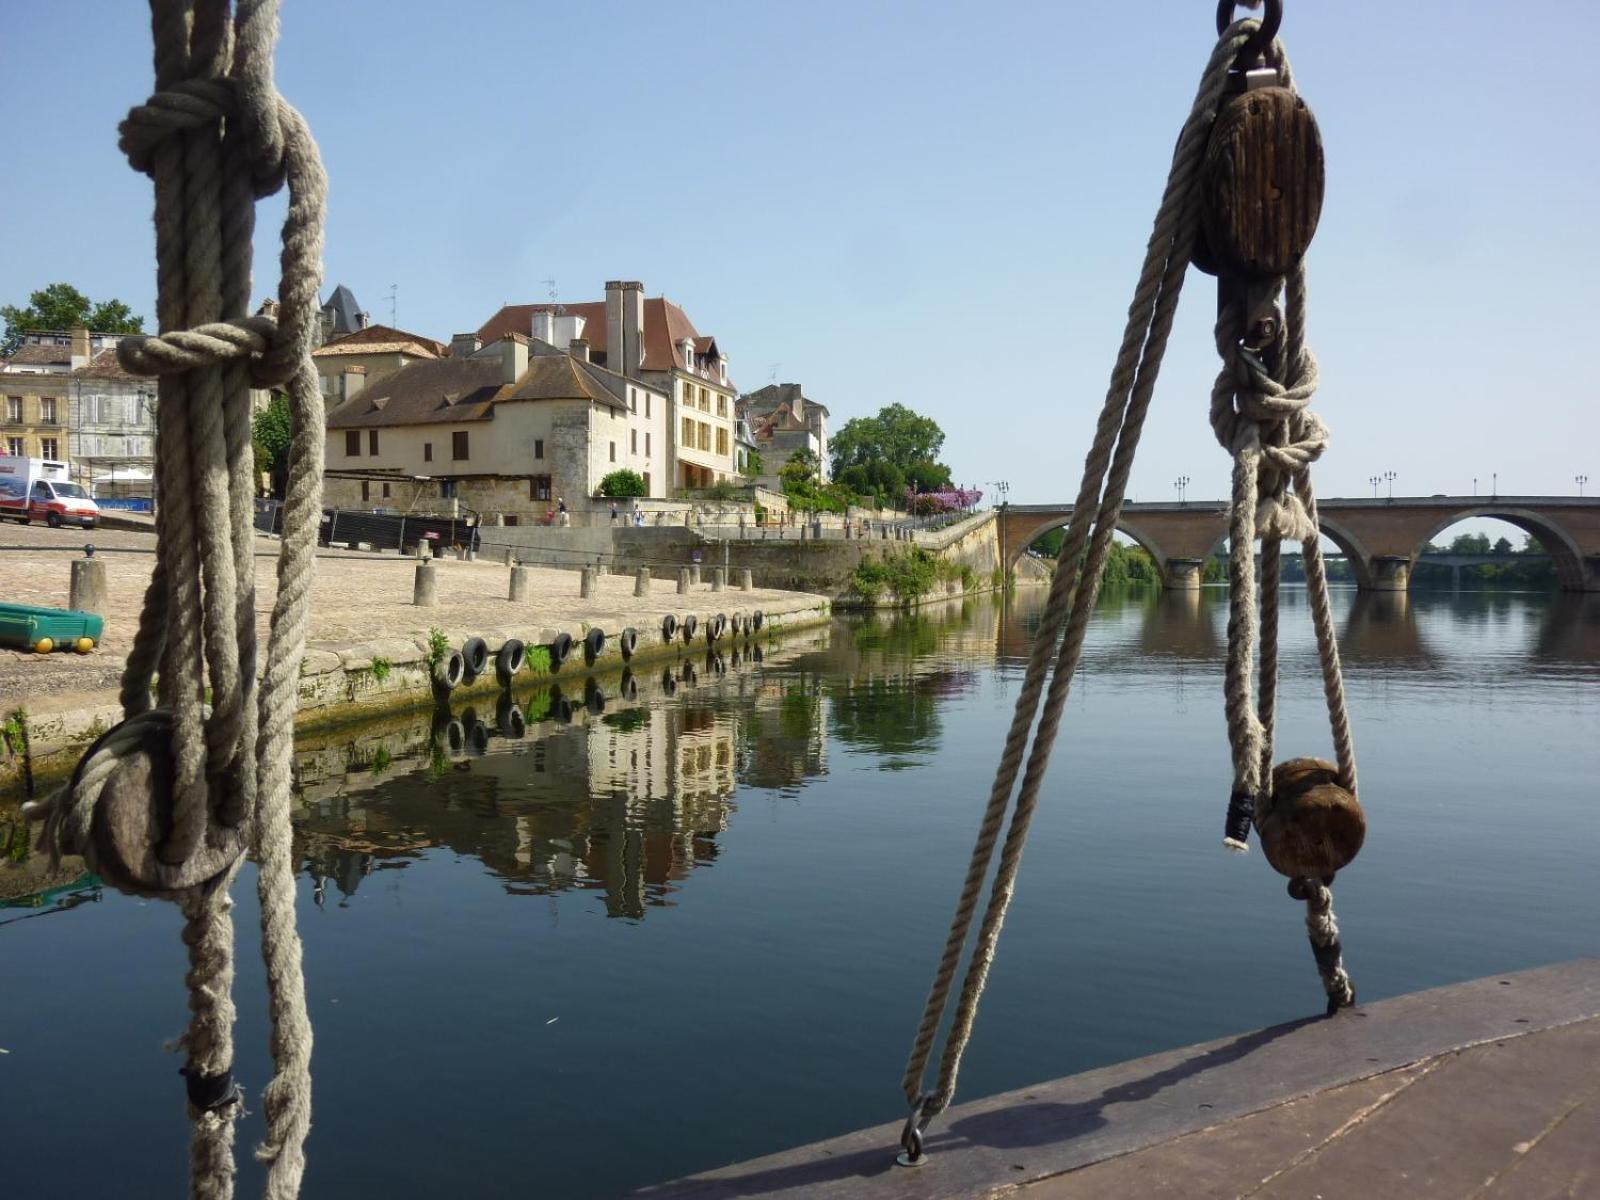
[
  {"x": 818, "y": 497},
  {"x": 622, "y": 484},
  {"x": 752, "y": 464},
  {"x": 439, "y": 646},
  {"x": 897, "y": 435},
  {"x": 627, "y": 720},
  {"x": 724, "y": 491},
  {"x": 536, "y": 661},
  {"x": 800, "y": 467},
  {"x": 380, "y": 760},
  {"x": 271, "y": 431},
  {"x": 14, "y": 733},
  {"x": 381, "y": 668},
  {"x": 540, "y": 703},
  {"x": 880, "y": 481},
  {"x": 62, "y": 306},
  {"x": 903, "y": 576}
]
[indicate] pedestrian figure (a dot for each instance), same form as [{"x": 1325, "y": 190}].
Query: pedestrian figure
[{"x": 613, "y": 512}]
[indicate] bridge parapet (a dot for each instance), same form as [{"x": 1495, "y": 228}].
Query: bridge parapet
[{"x": 1382, "y": 538}]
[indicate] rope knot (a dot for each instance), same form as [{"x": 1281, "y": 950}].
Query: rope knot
[
  {"x": 185, "y": 107},
  {"x": 182, "y": 350},
  {"x": 118, "y": 812}
]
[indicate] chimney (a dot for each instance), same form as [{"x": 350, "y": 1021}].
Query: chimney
[
  {"x": 80, "y": 347},
  {"x": 463, "y": 345},
  {"x": 544, "y": 327},
  {"x": 513, "y": 358},
  {"x": 352, "y": 380},
  {"x": 579, "y": 349},
  {"x": 624, "y": 326}
]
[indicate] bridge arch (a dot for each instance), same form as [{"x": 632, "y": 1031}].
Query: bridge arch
[
  {"x": 1034, "y": 532},
  {"x": 1558, "y": 543}
]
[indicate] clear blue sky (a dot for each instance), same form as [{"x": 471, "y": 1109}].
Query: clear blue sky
[{"x": 934, "y": 203}]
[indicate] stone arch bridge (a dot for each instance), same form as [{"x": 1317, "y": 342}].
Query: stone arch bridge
[{"x": 1381, "y": 538}]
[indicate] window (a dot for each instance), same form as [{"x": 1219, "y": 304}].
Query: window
[
  {"x": 458, "y": 446},
  {"x": 47, "y": 413},
  {"x": 538, "y": 447},
  {"x": 647, "y": 483},
  {"x": 647, "y": 443},
  {"x": 705, "y": 400},
  {"x": 49, "y": 448},
  {"x": 510, "y": 519},
  {"x": 722, "y": 441},
  {"x": 539, "y": 487},
  {"x": 427, "y": 451},
  {"x": 633, "y": 445},
  {"x": 688, "y": 433},
  {"x": 647, "y": 404},
  {"x": 366, "y": 491},
  {"x": 613, "y": 452},
  {"x": 14, "y": 446},
  {"x": 447, "y": 489},
  {"x": 633, "y": 399},
  {"x": 14, "y": 409},
  {"x": 352, "y": 443},
  {"x": 372, "y": 442},
  {"x": 386, "y": 491},
  {"x": 722, "y": 406}
]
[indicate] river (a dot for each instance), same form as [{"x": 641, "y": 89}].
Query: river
[{"x": 697, "y": 924}]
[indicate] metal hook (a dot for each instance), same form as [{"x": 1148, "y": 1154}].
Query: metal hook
[{"x": 1256, "y": 46}]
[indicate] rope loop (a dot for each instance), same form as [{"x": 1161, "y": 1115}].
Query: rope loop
[{"x": 181, "y": 350}]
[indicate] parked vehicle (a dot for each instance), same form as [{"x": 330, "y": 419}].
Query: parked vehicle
[{"x": 37, "y": 489}]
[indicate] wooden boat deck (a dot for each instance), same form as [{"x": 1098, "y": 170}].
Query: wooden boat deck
[{"x": 1487, "y": 1089}]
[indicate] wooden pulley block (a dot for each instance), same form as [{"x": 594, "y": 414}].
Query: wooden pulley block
[
  {"x": 1261, "y": 186},
  {"x": 1310, "y": 827}
]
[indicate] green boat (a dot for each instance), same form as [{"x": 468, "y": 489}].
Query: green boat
[{"x": 30, "y": 627}]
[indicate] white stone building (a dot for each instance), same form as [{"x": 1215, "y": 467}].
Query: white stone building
[
  {"x": 510, "y": 430},
  {"x": 651, "y": 341}
]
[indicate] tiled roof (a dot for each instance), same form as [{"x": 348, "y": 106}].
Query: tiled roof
[
  {"x": 383, "y": 339},
  {"x": 665, "y": 328},
  {"x": 105, "y": 366},
  {"x": 42, "y": 356},
  {"x": 562, "y": 377},
  {"x": 432, "y": 391}
]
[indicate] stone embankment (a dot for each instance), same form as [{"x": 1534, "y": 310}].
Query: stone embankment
[{"x": 371, "y": 648}]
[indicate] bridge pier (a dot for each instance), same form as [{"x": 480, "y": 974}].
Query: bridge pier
[
  {"x": 1183, "y": 574},
  {"x": 1390, "y": 572}
]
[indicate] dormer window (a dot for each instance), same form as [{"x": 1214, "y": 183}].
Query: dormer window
[{"x": 688, "y": 353}]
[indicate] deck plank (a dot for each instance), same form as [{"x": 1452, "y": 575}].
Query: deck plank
[{"x": 1002, "y": 1144}]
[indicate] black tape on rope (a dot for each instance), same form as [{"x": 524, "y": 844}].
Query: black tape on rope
[
  {"x": 1241, "y": 815},
  {"x": 1328, "y": 957},
  {"x": 209, "y": 1093}
]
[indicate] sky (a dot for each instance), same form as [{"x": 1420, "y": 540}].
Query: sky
[{"x": 937, "y": 204}]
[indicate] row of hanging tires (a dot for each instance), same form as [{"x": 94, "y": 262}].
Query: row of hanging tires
[
  {"x": 467, "y": 732},
  {"x": 464, "y": 666}
]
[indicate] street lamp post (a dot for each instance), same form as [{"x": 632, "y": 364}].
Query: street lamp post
[
  {"x": 1494, "y": 489},
  {"x": 1182, "y": 484},
  {"x": 1374, "y": 480},
  {"x": 1389, "y": 475},
  {"x": 1580, "y": 480}
]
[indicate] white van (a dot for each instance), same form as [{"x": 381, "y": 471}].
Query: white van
[{"x": 37, "y": 489}]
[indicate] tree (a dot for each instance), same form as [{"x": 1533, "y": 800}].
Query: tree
[
  {"x": 897, "y": 435},
  {"x": 1502, "y": 546},
  {"x": 62, "y": 306},
  {"x": 622, "y": 484},
  {"x": 752, "y": 464},
  {"x": 271, "y": 432},
  {"x": 801, "y": 467}
]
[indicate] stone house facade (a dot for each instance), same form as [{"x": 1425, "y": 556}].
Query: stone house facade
[
  {"x": 651, "y": 341},
  {"x": 783, "y": 420},
  {"x": 113, "y": 419},
  {"x": 510, "y": 430},
  {"x": 36, "y": 389}
]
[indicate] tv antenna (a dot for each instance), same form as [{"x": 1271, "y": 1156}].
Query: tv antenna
[
  {"x": 550, "y": 290},
  {"x": 772, "y": 372},
  {"x": 394, "y": 305}
]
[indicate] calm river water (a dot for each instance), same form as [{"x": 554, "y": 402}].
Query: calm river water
[{"x": 699, "y": 927}]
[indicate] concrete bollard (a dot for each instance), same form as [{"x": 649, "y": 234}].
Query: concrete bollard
[
  {"x": 694, "y": 573},
  {"x": 586, "y": 584},
  {"x": 519, "y": 584},
  {"x": 425, "y": 592},
  {"x": 641, "y": 582},
  {"x": 683, "y": 580},
  {"x": 746, "y": 581},
  {"x": 719, "y": 578},
  {"x": 88, "y": 592}
]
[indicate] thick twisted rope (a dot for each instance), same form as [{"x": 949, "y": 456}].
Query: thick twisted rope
[
  {"x": 1070, "y": 602},
  {"x": 214, "y": 137}
]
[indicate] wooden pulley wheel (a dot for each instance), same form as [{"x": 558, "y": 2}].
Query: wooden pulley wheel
[
  {"x": 1310, "y": 827},
  {"x": 1261, "y": 186}
]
